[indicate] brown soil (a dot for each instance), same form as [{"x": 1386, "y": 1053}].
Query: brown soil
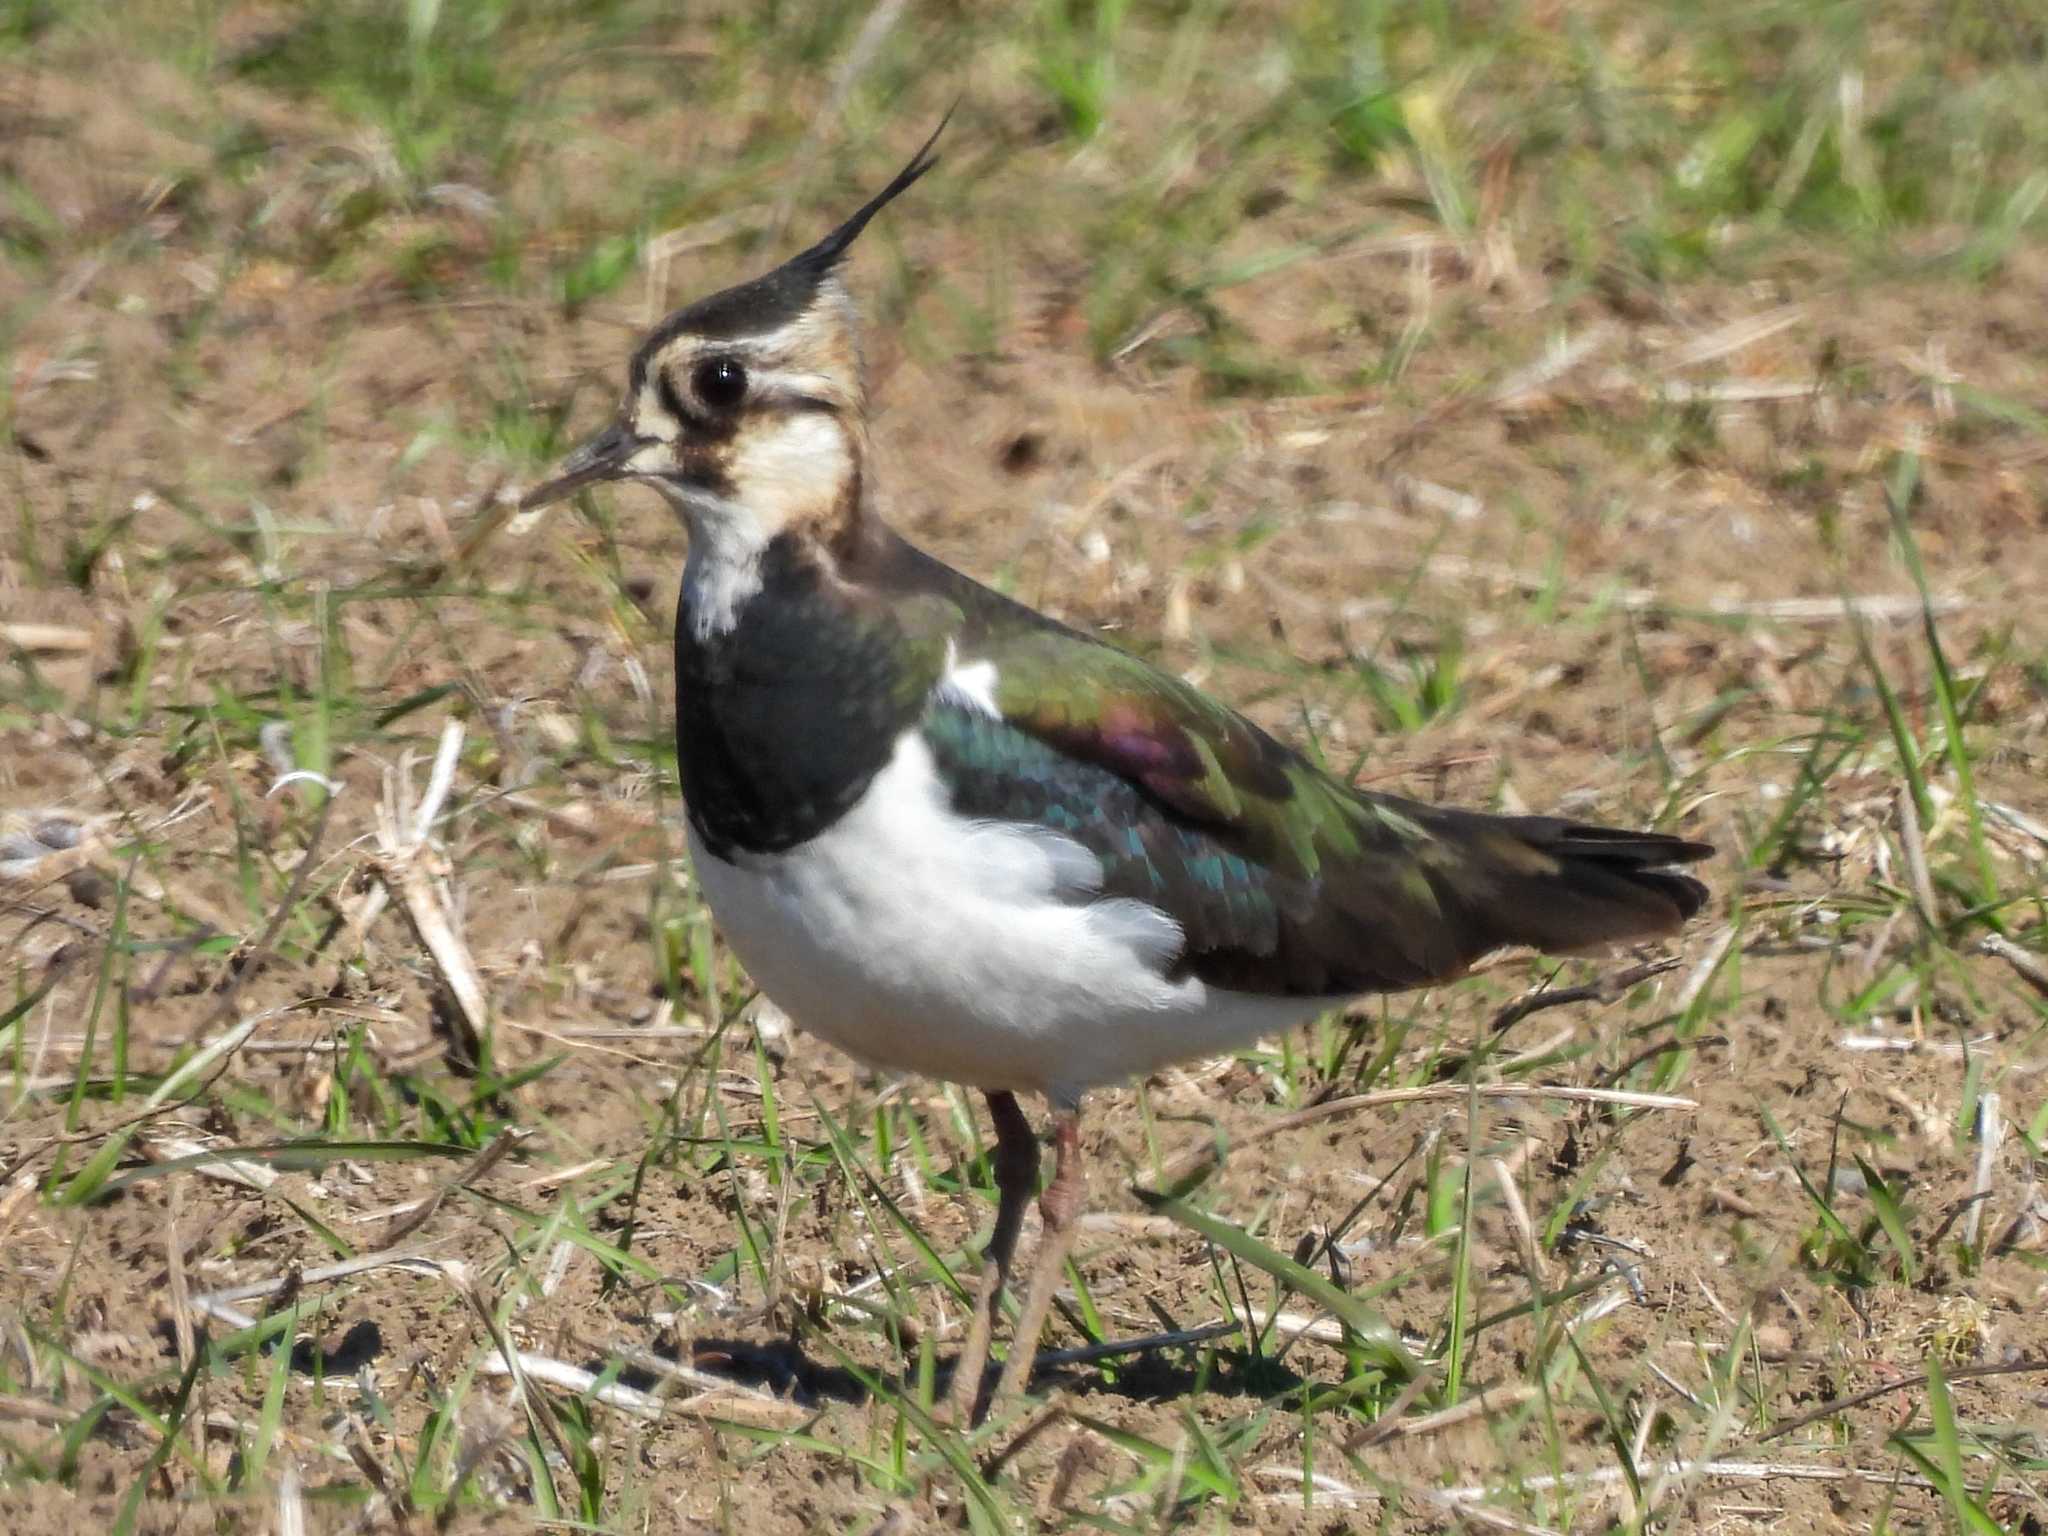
[{"x": 1121, "y": 498}]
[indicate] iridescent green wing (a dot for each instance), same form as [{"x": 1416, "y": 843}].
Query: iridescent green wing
[{"x": 1283, "y": 880}]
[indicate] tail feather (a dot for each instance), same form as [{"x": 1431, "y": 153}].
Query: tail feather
[{"x": 1563, "y": 886}]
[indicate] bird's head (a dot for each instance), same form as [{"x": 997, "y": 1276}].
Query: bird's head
[{"x": 747, "y": 409}]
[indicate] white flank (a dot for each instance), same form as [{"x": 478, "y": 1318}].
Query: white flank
[{"x": 970, "y": 951}]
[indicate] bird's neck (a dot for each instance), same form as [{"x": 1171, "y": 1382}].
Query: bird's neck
[
  {"x": 808, "y": 496},
  {"x": 786, "y": 713}
]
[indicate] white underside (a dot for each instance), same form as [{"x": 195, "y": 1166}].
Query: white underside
[{"x": 976, "y": 952}]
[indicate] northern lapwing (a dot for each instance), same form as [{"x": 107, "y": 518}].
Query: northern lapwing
[{"x": 959, "y": 839}]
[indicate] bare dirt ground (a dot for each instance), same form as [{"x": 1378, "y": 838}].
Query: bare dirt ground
[{"x": 1586, "y": 547}]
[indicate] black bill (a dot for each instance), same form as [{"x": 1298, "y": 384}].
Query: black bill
[{"x": 602, "y": 458}]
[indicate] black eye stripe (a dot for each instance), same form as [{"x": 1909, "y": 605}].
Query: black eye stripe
[
  {"x": 671, "y": 400},
  {"x": 713, "y": 413},
  {"x": 695, "y": 422}
]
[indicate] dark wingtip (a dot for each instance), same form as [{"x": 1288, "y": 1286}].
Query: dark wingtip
[
  {"x": 824, "y": 256},
  {"x": 1608, "y": 885},
  {"x": 1643, "y": 859},
  {"x": 1682, "y": 891}
]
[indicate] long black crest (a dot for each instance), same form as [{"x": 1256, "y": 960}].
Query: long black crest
[
  {"x": 776, "y": 298},
  {"x": 824, "y": 256}
]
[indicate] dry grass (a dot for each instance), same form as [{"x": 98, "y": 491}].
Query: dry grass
[{"x": 1616, "y": 410}]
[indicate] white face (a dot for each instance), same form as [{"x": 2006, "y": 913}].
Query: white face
[
  {"x": 750, "y": 436},
  {"x": 746, "y": 409},
  {"x": 747, "y": 436}
]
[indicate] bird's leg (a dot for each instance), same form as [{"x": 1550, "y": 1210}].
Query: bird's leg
[
  {"x": 1016, "y": 1168},
  {"x": 1061, "y": 1206}
]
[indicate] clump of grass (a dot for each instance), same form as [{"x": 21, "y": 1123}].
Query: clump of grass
[{"x": 614, "y": 1242}]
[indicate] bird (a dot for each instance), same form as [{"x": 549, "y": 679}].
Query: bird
[{"x": 961, "y": 840}]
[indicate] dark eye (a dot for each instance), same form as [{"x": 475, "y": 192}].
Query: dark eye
[{"x": 720, "y": 382}]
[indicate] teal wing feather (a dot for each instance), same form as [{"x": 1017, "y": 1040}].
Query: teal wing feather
[{"x": 1283, "y": 880}]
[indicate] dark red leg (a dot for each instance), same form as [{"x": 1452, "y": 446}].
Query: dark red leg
[
  {"x": 1061, "y": 1206},
  {"x": 1016, "y": 1168}
]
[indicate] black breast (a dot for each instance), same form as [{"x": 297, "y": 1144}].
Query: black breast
[{"x": 784, "y": 721}]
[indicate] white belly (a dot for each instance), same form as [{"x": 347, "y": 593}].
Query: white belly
[{"x": 970, "y": 951}]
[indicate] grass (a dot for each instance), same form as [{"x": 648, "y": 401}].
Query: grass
[{"x": 1406, "y": 374}]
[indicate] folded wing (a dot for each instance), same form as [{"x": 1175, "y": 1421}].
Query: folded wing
[{"x": 1282, "y": 880}]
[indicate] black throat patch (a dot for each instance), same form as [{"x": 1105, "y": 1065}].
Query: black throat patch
[{"x": 783, "y": 721}]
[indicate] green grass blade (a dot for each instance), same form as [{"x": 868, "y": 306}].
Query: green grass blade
[
  {"x": 1892, "y": 1217},
  {"x": 1382, "y": 1342}
]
